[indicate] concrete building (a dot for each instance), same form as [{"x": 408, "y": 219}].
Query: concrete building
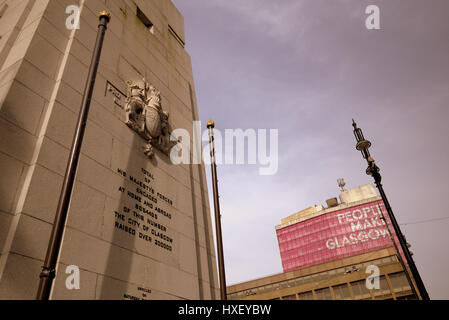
[
  {"x": 138, "y": 226},
  {"x": 328, "y": 253}
]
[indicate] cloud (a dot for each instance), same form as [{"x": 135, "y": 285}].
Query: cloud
[{"x": 271, "y": 18}]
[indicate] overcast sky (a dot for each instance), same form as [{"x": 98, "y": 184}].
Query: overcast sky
[{"x": 307, "y": 67}]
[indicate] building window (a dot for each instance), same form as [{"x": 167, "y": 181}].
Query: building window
[
  {"x": 305, "y": 295},
  {"x": 323, "y": 294},
  {"x": 264, "y": 289},
  {"x": 386, "y": 260},
  {"x": 315, "y": 277},
  {"x": 384, "y": 288},
  {"x": 360, "y": 290},
  {"x": 323, "y": 275},
  {"x": 144, "y": 19},
  {"x": 399, "y": 282},
  {"x": 341, "y": 292}
]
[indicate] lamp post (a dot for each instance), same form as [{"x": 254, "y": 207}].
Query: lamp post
[
  {"x": 373, "y": 170},
  {"x": 221, "y": 268},
  {"x": 51, "y": 259}
]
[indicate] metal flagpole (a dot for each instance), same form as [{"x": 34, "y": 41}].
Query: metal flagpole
[
  {"x": 211, "y": 126},
  {"x": 49, "y": 268}
]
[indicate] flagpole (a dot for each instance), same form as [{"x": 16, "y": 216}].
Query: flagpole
[
  {"x": 221, "y": 268},
  {"x": 51, "y": 259}
]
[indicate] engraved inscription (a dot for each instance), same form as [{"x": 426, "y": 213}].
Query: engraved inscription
[
  {"x": 147, "y": 217},
  {"x": 117, "y": 96}
]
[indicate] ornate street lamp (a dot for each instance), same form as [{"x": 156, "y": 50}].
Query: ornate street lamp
[{"x": 373, "y": 170}]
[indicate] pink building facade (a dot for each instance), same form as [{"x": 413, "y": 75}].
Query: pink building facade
[{"x": 334, "y": 235}]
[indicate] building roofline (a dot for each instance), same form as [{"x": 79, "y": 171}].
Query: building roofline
[{"x": 341, "y": 206}]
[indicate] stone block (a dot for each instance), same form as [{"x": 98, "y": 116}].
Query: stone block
[
  {"x": 33, "y": 78},
  {"x": 20, "y": 279},
  {"x": 31, "y": 237},
  {"x": 16, "y": 142},
  {"x": 12, "y": 171},
  {"x": 41, "y": 202},
  {"x": 85, "y": 210},
  {"x": 23, "y": 107}
]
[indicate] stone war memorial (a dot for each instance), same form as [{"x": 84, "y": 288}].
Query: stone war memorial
[{"x": 138, "y": 226}]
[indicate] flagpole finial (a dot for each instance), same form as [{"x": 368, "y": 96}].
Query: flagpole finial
[
  {"x": 105, "y": 14},
  {"x": 210, "y": 124}
]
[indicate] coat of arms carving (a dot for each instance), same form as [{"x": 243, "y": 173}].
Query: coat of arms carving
[{"x": 144, "y": 115}]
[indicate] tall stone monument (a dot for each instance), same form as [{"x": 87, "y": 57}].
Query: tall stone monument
[{"x": 138, "y": 226}]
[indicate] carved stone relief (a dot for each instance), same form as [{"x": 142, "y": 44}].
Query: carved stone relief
[{"x": 144, "y": 115}]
